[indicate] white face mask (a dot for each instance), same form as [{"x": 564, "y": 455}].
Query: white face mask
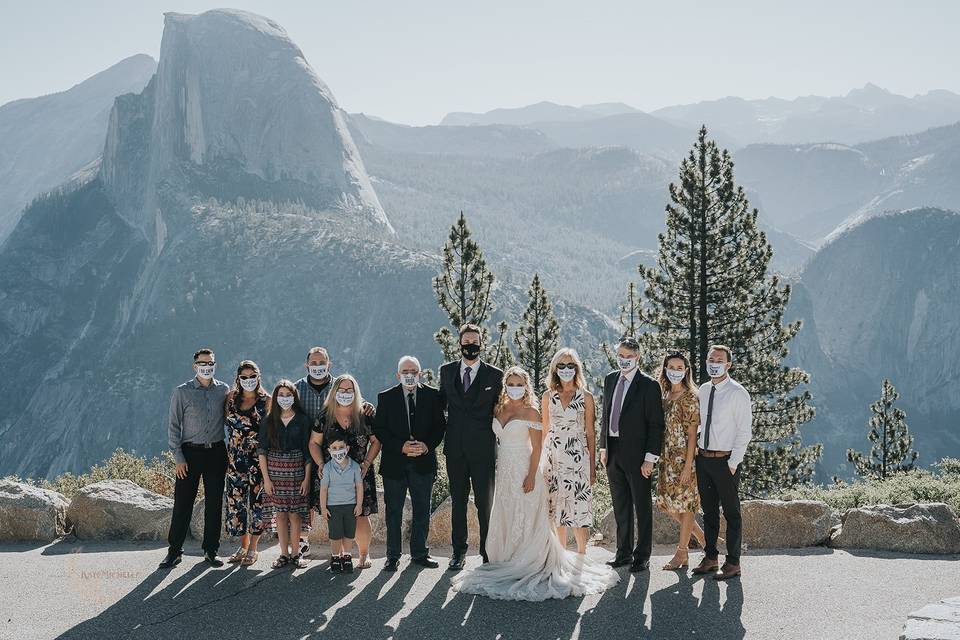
[
  {"x": 626, "y": 364},
  {"x": 345, "y": 398},
  {"x": 250, "y": 384},
  {"x": 409, "y": 380},
  {"x": 339, "y": 454},
  {"x": 206, "y": 371},
  {"x": 318, "y": 371},
  {"x": 285, "y": 402},
  {"x": 716, "y": 369},
  {"x": 566, "y": 374},
  {"x": 515, "y": 393},
  {"x": 675, "y": 376}
]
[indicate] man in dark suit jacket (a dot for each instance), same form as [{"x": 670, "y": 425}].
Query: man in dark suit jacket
[
  {"x": 410, "y": 425},
  {"x": 470, "y": 389},
  {"x": 631, "y": 437}
]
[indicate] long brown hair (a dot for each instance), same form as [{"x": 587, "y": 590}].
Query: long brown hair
[
  {"x": 274, "y": 424},
  {"x": 665, "y": 385},
  {"x": 248, "y": 364}
]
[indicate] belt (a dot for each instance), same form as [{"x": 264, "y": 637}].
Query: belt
[
  {"x": 202, "y": 445},
  {"x": 713, "y": 454}
]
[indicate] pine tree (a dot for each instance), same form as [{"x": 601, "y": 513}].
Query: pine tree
[
  {"x": 538, "y": 336},
  {"x": 711, "y": 285},
  {"x": 891, "y": 450},
  {"x": 498, "y": 353},
  {"x": 463, "y": 288}
]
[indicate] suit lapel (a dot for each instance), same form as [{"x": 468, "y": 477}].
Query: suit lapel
[
  {"x": 477, "y": 383},
  {"x": 631, "y": 391}
]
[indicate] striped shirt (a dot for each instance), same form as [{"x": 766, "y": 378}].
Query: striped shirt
[{"x": 312, "y": 400}]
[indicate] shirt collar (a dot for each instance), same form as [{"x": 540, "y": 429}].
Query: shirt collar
[
  {"x": 473, "y": 367},
  {"x": 721, "y": 385},
  {"x": 630, "y": 376}
]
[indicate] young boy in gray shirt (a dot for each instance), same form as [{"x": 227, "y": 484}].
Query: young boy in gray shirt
[{"x": 341, "y": 501}]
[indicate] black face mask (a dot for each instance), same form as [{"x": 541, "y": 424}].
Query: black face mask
[{"x": 470, "y": 351}]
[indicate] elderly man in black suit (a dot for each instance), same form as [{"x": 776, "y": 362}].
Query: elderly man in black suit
[
  {"x": 410, "y": 425},
  {"x": 470, "y": 389},
  {"x": 631, "y": 437}
]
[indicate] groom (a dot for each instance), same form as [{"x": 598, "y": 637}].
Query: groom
[
  {"x": 631, "y": 436},
  {"x": 469, "y": 390}
]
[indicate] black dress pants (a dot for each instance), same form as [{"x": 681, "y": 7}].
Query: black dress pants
[
  {"x": 720, "y": 488},
  {"x": 210, "y": 465},
  {"x": 630, "y": 492}
]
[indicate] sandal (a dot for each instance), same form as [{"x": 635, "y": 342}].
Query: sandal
[
  {"x": 250, "y": 559},
  {"x": 299, "y": 561},
  {"x": 680, "y": 560},
  {"x": 363, "y": 563},
  {"x": 281, "y": 562},
  {"x": 237, "y": 556}
]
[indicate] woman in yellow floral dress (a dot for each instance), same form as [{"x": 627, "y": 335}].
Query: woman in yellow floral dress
[{"x": 676, "y": 479}]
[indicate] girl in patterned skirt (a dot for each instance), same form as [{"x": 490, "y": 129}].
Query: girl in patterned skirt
[
  {"x": 677, "y": 494},
  {"x": 286, "y": 466}
]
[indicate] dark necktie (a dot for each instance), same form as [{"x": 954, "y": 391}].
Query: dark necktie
[
  {"x": 706, "y": 429},
  {"x": 411, "y": 412},
  {"x": 466, "y": 379},
  {"x": 614, "y": 426}
]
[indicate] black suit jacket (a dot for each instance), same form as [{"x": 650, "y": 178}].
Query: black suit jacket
[
  {"x": 391, "y": 427},
  {"x": 641, "y": 417},
  {"x": 470, "y": 414}
]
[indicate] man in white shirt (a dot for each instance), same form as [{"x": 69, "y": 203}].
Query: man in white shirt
[
  {"x": 631, "y": 437},
  {"x": 726, "y": 419}
]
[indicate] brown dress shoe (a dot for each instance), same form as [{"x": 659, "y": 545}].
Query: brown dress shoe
[
  {"x": 728, "y": 571},
  {"x": 706, "y": 566}
]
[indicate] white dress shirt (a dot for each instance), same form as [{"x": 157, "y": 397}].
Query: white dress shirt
[
  {"x": 473, "y": 370},
  {"x": 649, "y": 457},
  {"x": 731, "y": 426}
]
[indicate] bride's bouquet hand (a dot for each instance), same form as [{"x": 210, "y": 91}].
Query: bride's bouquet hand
[{"x": 528, "y": 483}]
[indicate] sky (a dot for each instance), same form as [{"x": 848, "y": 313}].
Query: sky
[{"x": 414, "y": 61}]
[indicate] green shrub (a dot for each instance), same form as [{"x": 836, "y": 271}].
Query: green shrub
[{"x": 156, "y": 474}]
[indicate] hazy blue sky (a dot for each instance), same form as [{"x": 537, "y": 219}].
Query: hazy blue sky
[{"x": 413, "y": 61}]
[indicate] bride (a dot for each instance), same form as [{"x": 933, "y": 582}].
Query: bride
[{"x": 527, "y": 561}]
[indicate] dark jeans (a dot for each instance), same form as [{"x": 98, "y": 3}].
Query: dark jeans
[
  {"x": 420, "y": 486},
  {"x": 630, "y": 492},
  {"x": 720, "y": 488},
  {"x": 464, "y": 472},
  {"x": 211, "y": 466}
]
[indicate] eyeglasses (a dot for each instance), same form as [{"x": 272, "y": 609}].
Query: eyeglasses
[
  {"x": 567, "y": 365},
  {"x": 253, "y": 377},
  {"x": 204, "y": 363}
]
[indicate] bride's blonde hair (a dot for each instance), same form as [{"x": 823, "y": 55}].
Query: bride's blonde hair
[{"x": 529, "y": 397}]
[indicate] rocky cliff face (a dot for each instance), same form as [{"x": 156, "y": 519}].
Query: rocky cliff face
[
  {"x": 48, "y": 139},
  {"x": 234, "y": 110},
  {"x": 880, "y": 300}
]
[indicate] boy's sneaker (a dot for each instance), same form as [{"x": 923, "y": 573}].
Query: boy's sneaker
[
  {"x": 336, "y": 564},
  {"x": 346, "y": 563},
  {"x": 304, "y": 546}
]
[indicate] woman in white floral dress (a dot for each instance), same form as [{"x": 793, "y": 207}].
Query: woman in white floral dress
[{"x": 569, "y": 443}]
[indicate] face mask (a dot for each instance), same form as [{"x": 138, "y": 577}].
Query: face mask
[
  {"x": 285, "y": 402},
  {"x": 318, "y": 371},
  {"x": 206, "y": 371},
  {"x": 716, "y": 369},
  {"x": 345, "y": 398},
  {"x": 339, "y": 454},
  {"x": 249, "y": 384},
  {"x": 674, "y": 376},
  {"x": 410, "y": 380},
  {"x": 566, "y": 374},
  {"x": 515, "y": 393},
  {"x": 470, "y": 351},
  {"x": 626, "y": 364}
]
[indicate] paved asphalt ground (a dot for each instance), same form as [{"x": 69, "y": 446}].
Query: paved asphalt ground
[{"x": 111, "y": 590}]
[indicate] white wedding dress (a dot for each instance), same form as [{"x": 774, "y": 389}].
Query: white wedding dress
[{"x": 527, "y": 561}]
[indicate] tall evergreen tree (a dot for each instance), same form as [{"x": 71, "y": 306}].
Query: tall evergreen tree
[
  {"x": 463, "y": 288},
  {"x": 538, "y": 336},
  {"x": 711, "y": 285},
  {"x": 891, "y": 449}
]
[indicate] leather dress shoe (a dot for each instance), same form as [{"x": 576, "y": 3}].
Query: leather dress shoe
[
  {"x": 727, "y": 571},
  {"x": 706, "y": 566},
  {"x": 392, "y": 564},
  {"x": 457, "y": 562},
  {"x": 212, "y": 559},
  {"x": 619, "y": 562},
  {"x": 639, "y": 565},
  {"x": 172, "y": 560},
  {"x": 426, "y": 561}
]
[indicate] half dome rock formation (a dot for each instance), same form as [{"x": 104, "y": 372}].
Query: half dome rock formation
[{"x": 234, "y": 110}]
